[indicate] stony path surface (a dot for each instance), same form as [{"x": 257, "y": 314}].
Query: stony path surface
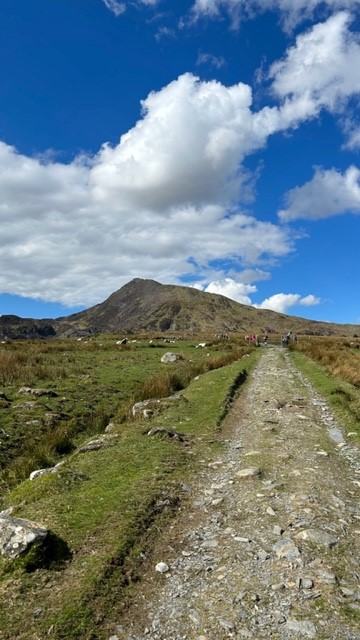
[{"x": 268, "y": 545}]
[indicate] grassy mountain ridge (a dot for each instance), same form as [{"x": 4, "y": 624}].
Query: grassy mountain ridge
[{"x": 146, "y": 305}]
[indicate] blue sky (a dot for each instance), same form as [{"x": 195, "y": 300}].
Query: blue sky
[{"x": 211, "y": 143}]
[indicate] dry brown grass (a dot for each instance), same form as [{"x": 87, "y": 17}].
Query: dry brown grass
[
  {"x": 339, "y": 356},
  {"x": 11, "y": 365}
]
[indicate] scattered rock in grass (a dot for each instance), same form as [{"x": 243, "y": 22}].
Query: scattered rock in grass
[
  {"x": 153, "y": 405},
  {"x": 139, "y": 407},
  {"x": 42, "y": 472},
  {"x": 250, "y": 472},
  {"x": 93, "y": 445},
  {"x": 170, "y": 433},
  {"x": 305, "y": 583},
  {"x": 170, "y": 357},
  {"x": 18, "y": 535},
  {"x": 38, "y": 392},
  {"x": 162, "y": 567}
]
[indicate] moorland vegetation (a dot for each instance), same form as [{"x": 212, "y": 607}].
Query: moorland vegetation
[{"x": 107, "y": 505}]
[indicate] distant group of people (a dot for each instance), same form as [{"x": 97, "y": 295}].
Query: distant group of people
[
  {"x": 290, "y": 337},
  {"x": 257, "y": 340},
  {"x": 263, "y": 340}
]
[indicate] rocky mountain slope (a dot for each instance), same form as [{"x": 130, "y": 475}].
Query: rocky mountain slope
[{"x": 148, "y": 306}]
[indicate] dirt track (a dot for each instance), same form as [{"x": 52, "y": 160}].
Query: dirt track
[{"x": 273, "y": 553}]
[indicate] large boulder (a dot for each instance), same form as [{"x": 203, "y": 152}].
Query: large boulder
[{"x": 18, "y": 535}]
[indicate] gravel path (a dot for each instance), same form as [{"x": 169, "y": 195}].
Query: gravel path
[{"x": 268, "y": 543}]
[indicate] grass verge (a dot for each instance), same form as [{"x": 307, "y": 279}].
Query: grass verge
[{"x": 343, "y": 397}]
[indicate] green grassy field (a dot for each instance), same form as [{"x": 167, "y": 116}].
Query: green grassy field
[{"x": 93, "y": 382}]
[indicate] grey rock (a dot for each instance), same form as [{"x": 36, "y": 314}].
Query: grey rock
[
  {"x": 226, "y": 624},
  {"x": 278, "y": 530},
  {"x": 287, "y": 549},
  {"x": 318, "y": 537},
  {"x": 38, "y": 392},
  {"x": 162, "y": 567},
  {"x": 306, "y": 583},
  {"x": 94, "y": 445},
  {"x": 303, "y": 628},
  {"x": 42, "y": 472},
  {"x": 170, "y": 357},
  {"x": 139, "y": 407},
  {"x": 250, "y": 472},
  {"x": 326, "y": 576},
  {"x": 18, "y": 535},
  {"x": 217, "y": 501}
]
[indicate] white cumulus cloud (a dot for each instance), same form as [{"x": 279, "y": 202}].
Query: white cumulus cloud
[
  {"x": 322, "y": 70},
  {"x": 228, "y": 287},
  {"x": 152, "y": 166},
  {"x": 281, "y": 302},
  {"x": 329, "y": 193}
]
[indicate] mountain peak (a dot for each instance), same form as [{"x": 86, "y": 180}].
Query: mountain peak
[{"x": 144, "y": 305}]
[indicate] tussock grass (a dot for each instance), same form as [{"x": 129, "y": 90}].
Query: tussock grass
[
  {"x": 339, "y": 356},
  {"x": 333, "y": 367},
  {"x": 11, "y": 366}
]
